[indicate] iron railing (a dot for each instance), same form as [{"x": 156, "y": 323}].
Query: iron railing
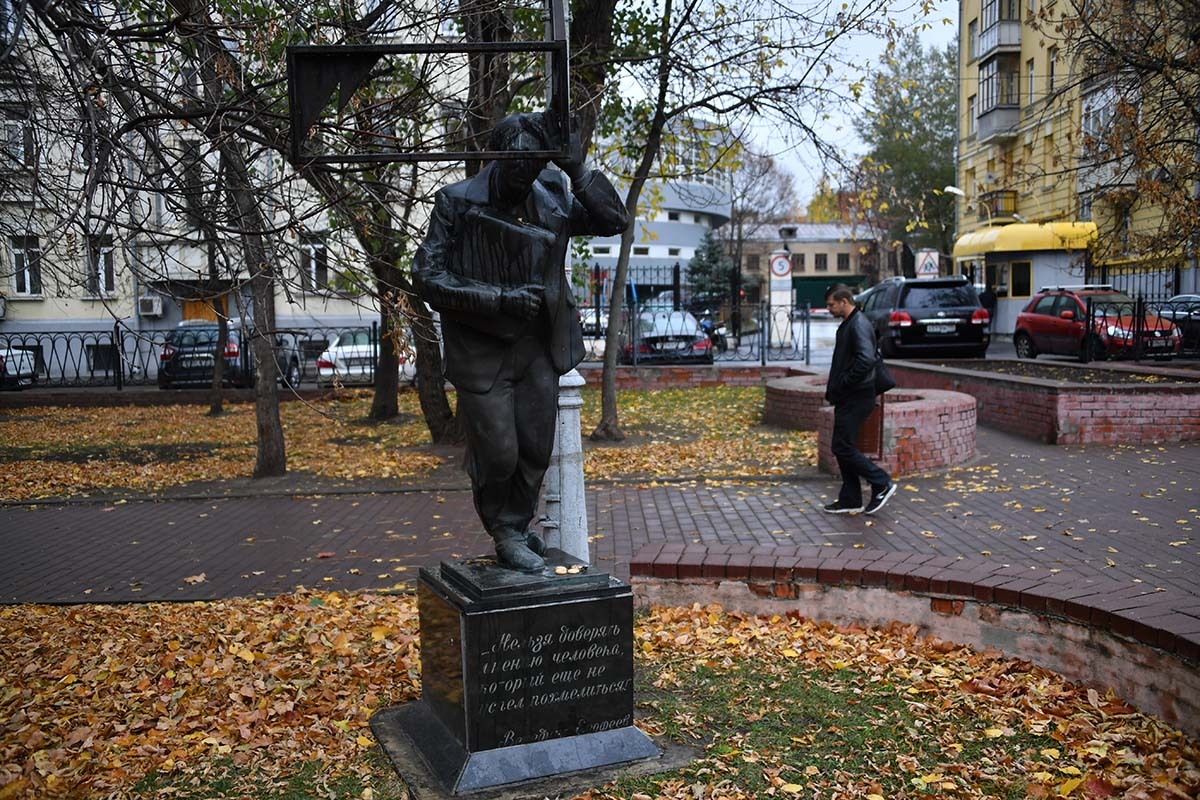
[
  {"x": 121, "y": 356},
  {"x": 1141, "y": 329},
  {"x": 748, "y": 333}
]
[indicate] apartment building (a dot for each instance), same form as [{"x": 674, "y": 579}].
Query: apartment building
[{"x": 1042, "y": 197}]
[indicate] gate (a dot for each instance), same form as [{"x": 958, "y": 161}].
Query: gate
[{"x": 747, "y": 333}]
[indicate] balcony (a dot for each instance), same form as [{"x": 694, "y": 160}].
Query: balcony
[
  {"x": 998, "y": 203},
  {"x": 998, "y": 124},
  {"x": 1003, "y": 37}
]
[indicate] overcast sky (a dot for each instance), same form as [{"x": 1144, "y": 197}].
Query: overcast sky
[{"x": 839, "y": 128}]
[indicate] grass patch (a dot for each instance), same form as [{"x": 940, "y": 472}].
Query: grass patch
[
  {"x": 766, "y": 727},
  {"x": 372, "y": 777}
]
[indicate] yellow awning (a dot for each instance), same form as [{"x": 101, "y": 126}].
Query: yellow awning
[{"x": 1024, "y": 237}]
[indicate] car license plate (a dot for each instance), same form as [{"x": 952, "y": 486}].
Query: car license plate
[
  {"x": 196, "y": 363},
  {"x": 359, "y": 362},
  {"x": 940, "y": 329},
  {"x": 1159, "y": 342}
]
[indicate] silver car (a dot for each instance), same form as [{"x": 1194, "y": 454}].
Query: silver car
[{"x": 352, "y": 359}]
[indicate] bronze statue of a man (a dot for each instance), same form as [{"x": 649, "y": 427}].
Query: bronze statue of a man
[{"x": 492, "y": 266}]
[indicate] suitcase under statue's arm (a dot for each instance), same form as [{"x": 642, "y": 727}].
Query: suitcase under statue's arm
[{"x": 447, "y": 291}]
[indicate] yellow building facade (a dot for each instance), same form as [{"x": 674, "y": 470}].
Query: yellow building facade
[{"x": 1036, "y": 205}]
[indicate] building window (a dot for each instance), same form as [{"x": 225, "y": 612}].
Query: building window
[
  {"x": 972, "y": 115},
  {"x": 821, "y": 262},
  {"x": 699, "y": 218},
  {"x": 101, "y": 276},
  {"x": 797, "y": 262},
  {"x": 1051, "y": 69},
  {"x": 1029, "y": 95},
  {"x": 26, "y": 265},
  {"x": 843, "y": 261},
  {"x": 673, "y": 216},
  {"x": 1085, "y": 208},
  {"x": 972, "y": 39},
  {"x": 314, "y": 262},
  {"x": 1021, "y": 279},
  {"x": 641, "y": 250},
  {"x": 16, "y": 137},
  {"x": 753, "y": 262},
  {"x": 673, "y": 251},
  {"x": 601, "y": 249},
  {"x": 999, "y": 84}
]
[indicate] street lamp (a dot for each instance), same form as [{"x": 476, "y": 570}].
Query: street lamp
[{"x": 957, "y": 191}]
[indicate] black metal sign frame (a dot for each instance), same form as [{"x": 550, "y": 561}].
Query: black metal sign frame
[{"x": 315, "y": 71}]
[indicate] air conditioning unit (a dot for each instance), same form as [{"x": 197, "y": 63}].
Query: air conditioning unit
[{"x": 150, "y": 306}]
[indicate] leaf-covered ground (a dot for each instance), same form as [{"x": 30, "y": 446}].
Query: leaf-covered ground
[
  {"x": 1061, "y": 371},
  {"x": 259, "y": 699},
  {"x": 61, "y": 452}
]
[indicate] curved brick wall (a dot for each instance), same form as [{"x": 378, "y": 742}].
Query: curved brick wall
[
  {"x": 793, "y": 402},
  {"x": 923, "y": 430}
]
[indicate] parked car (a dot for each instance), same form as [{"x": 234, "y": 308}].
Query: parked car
[
  {"x": 595, "y": 323},
  {"x": 1055, "y": 321},
  {"x": 18, "y": 369},
  {"x": 352, "y": 358},
  {"x": 927, "y": 316},
  {"x": 189, "y": 353},
  {"x": 667, "y": 337},
  {"x": 1184, "y": 311}
]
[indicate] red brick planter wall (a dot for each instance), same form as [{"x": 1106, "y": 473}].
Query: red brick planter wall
[
  {"x": 685, "y": 377},
  {"x": 793, "y": 402},
  {"x": 922, "y": 431},
  {"x": 1104, "y": 633},
  {"x": 1068, "y": 413}
]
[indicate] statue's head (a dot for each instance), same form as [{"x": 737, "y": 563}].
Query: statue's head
[{"x": 513, "y": 178}]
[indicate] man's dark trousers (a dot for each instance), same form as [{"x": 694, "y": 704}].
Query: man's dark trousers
[{"x": 848, "y": 416}]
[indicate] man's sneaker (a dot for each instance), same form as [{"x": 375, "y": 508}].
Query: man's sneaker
[
  {"x": 840, "y": 508},
  {"x": 879, "y": 498}
]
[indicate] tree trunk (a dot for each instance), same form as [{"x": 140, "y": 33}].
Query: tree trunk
[
  {"x": 216, "y": 404},
  {"x": 609, "y": 427},
  {"x": 444, "y": 425}
]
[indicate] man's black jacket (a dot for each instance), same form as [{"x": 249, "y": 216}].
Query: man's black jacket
[{"x": 853, "y": 368}]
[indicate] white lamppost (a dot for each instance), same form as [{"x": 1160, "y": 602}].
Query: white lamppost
[{"x": 959, "y": 192}]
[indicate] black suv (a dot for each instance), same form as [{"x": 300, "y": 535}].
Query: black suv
[
  {"x": 188, "y": 355},
  {"x": 927, "y": 316}
]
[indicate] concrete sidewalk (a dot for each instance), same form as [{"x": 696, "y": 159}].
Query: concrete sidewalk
[{"x": 1127, "y": 514}]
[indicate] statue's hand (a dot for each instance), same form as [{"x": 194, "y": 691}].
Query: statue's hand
[
  {"x": 522, "y": 301},
  {"x": 572, "y": 162}
]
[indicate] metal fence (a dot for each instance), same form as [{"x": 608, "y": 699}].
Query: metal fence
[
  {"x": 121, "y": 357},
  {"x": 753, "y": 333},
  {"x": 1141, "y": 329}
]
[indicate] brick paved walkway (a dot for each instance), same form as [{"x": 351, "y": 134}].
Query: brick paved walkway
[{"x": 1126, "y": 514}]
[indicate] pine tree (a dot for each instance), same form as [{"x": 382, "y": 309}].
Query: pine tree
[{"x": 708, "y": 271}]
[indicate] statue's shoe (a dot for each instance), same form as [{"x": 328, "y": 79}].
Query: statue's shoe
[
  {"x": 535, "y": 543},
  {"x": 516, "y": 554}
]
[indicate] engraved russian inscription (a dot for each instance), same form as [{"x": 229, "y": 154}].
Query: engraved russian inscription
[{"x": 562, "y": 672}]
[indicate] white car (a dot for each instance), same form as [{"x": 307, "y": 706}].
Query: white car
[
  {"x": 352, "y": 360},
  {"x": 17, "y": 369}
]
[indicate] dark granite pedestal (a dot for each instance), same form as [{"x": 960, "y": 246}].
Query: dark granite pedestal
[{"x": 522, "y": 676}]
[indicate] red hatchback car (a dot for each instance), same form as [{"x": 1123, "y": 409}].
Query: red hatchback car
[{"x": 1055, "y": 319}]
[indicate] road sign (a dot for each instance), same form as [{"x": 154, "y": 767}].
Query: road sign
[
  {"x": 927, "y": 264},
  {"x": 781, "y": 265}
]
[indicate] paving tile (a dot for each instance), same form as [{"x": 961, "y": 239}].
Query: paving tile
[{"x": 264, "y": 543}]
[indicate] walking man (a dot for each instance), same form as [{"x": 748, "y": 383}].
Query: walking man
[
  {"x": 851, "y": 392},
  {"x": 492, "y": 265}
]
